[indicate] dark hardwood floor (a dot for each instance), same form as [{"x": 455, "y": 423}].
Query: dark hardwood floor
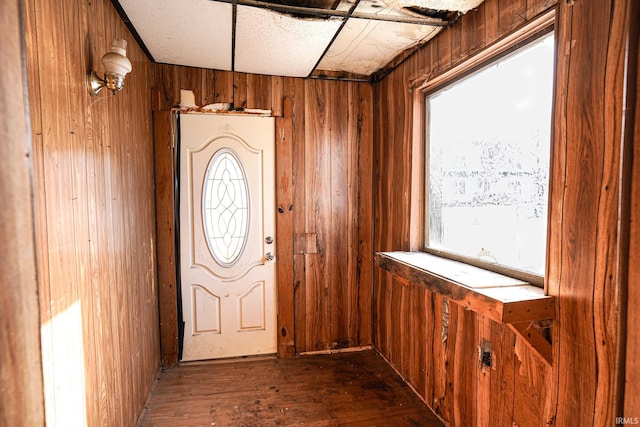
[{"x": 345, "y": 389}]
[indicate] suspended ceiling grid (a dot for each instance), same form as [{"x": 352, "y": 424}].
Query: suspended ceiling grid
[{"x": 292, "y": 39}]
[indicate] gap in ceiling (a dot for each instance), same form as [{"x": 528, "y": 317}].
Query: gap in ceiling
[{"x": 307, "y": 38}]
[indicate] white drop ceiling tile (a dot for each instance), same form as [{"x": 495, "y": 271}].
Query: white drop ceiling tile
[
  {"x": 363, "y": 47},
  {"x": 195, "y": 33},
  {"x": 272, "y": 43}
]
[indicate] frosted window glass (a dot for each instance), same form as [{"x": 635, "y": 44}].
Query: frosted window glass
[
  {"x": 225, "y": 207},
  {"x": 488, "y": 161}
]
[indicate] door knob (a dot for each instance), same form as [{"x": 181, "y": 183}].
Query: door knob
[
  {"x": 269, "y": 256},
  {"x": 268, "y": 240}
]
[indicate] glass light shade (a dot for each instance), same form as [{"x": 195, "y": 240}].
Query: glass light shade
[
  {"x": 115, "y": 61},
  {"x": 116, "y": 66}
]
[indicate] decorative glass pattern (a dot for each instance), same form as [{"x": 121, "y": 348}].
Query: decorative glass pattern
[{"x": 225, "y": 207}]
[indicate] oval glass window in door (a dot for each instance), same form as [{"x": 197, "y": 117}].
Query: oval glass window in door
[{"x": 225, "y": 207}]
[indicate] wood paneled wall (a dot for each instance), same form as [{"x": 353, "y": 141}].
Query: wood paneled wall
[
  {"x": 21, "y": 391},
  {"x": 582, "y": 387},
  {"x": 586, "y": 254},
  {"x": 324, "y": 158},
  {"x": 631, "y": 404},
  {"x": 94, "y": 217}
]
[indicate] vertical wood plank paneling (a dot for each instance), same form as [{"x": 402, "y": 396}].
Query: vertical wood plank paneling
[
  {"x": 380, "y": 335},
  {"x": 473, "y": 32},
  {"x": 362, "y": 124},
  {"x": 294, "y": 90},
  {"x": 143, "y": 222},
  {"x": 408, "y": 358},
  {"x": 103, "y": 234},
  {"x": 435, "y": 396},
  {"x": 33, "y": 77},
  {"x": 259, "y": 91},
  {"x": 21, "y": 393},
  {"x": 442, "y": 53},
  {"x": 167, "y": 81},
  {"x": 607, "y": 276},
  {"x": 531, "y": 380},
  {"x": 277, "y": 96},
  {"x": 536, "y": 7},
  {"x": 93, "y": 172},
  {"x": 102, "y": 238},
  {"x": 57, "y": 343},
  {"x": 456, "y": 43},
  {"x": 416, "y": 132},
  {"x": 448, "y": 366},
  {"x": 583, "y": 228},
  {"x": 380, "y": 195},
  {"x": 115, "y": 229},
  {"x": 207, "y": 87},
  {"x": 401, "y": 107},
  {"x": 483, "y": 375},
  {"x": 631, "y": 403},
  {"x": 465, "y": 367},
  {"x": 421, "y": 351},
  {"x": 240, "y": 90},
  {"x": 144, "y": 296},
  {"x": 340, "y": 148},
  {"x": 395, "y": 327},
  {"x": 405, "y": 344},
  {"x": 512, "y": 15},
  {"x": 318, "y": 214},
  {"x": 165, "y": 233},
  {"x": 224, "y": 86},
  {"x": 76, "y": 26},
  {"x": 390, "y": 160},
  {"x": 354, "y": 189},
  {"x": 116, "y": 189},
  {"x": 383, "y": 308},
  {"x": 502, "y": 376},
  {"x": 387, "y": 161},
  {"x": 285, "y": 235},
  {"x": 424, "y": 308},
  {"x": 492, "y": 22}
]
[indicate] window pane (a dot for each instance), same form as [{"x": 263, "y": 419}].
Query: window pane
[
  {"x": 225, "y": 207},
  {"x": 488, "y": 164}
]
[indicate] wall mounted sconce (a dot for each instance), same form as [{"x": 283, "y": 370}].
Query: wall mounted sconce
[{"x": 116, "y": 66}]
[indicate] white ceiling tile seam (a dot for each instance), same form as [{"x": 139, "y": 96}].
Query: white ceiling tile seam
[
  {"x": 362, "y": 38},
  {"x": 335, "y": 36}
]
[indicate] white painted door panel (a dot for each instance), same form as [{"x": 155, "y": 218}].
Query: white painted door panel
[{"x": 227, "y": 205}]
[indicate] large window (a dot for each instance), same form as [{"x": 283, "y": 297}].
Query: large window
[{"x": 488, "y": 147}]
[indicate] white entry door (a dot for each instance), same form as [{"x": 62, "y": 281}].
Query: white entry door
[{"x": 227, "y": 231}]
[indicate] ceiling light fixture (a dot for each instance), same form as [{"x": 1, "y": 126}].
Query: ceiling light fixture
[{"x": 116, "y": 66}]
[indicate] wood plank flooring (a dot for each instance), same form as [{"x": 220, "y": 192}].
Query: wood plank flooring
[{"x": 345, "y": 389}]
